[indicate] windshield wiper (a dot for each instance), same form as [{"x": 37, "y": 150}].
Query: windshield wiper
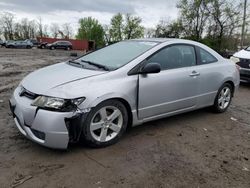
[
  {"x": 76, "y": 63},
  {"x": 96, "y": 64}
]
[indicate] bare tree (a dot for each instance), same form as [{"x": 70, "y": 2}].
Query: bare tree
[
  {"x": 7, "y": 23},
  {"x": 67, "y": 30},
  {"x": 107, "y": 35},
  {"x": 54, "y": 28},
  {"x": 40, "y": 26}
]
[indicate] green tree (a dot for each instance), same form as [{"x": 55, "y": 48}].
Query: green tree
[
  {"x": 117, "y": 27},
  {"x": 91, "y": 29},
  {"x": 193, "y": 16},
  {"x": 173, "y": 29},
  {"x": 132, "y": 27}
]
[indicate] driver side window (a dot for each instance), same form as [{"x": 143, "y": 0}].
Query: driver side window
[{"x": 175, "y": 56}]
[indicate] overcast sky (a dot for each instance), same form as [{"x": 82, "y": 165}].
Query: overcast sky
[{"x": 62, "y": 11}]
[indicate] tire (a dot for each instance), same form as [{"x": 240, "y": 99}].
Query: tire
[
  {"x": 68, "y": 48},
  {"x": 223, "y": 98},
  {"x": 96, "y": 127},
  {"x": 28, "y": 47},
  {"x": 52, "y": 48}
]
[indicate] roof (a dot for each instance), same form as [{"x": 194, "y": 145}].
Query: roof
[{"x": 154, "y": 39}]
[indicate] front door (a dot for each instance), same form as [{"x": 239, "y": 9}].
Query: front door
[{"x": 175, "y": 88}]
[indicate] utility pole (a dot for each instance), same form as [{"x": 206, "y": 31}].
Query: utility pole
[{"x": 243, "y": 24}]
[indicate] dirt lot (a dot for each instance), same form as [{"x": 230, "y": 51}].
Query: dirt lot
[{"x": 197, "y": 149}]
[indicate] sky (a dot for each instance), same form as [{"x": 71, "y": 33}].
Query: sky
[{"x": 69, "y": 11}]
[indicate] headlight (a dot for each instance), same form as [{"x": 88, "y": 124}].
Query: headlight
[
  {"x": 57, "y": 103},
  {"x": 235, "y": 59}
]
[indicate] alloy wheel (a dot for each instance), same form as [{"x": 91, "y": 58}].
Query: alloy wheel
[
  {"x": 224, "y": 98},
  {"x": 106, "y": 123}
]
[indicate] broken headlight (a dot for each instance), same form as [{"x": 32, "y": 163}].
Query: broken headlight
[{"x": 57, "y": 104}]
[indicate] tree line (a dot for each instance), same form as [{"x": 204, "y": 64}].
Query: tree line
[{"x": 217, "y": 23}]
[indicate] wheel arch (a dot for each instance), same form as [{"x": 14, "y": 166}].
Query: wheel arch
[
  {"x": 125, "y": 100},
  {"x": 232, "y": 84}
]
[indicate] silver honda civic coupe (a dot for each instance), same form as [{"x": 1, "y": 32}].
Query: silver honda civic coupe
[{"x": 94, "y": 98}]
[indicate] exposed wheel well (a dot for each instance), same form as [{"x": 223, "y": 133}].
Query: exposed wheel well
[{"x": 232, "y": 84}]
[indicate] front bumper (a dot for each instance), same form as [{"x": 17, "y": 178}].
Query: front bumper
[
  {"x": 44, "y": 127},
  {"x": 244, "y": 75}
]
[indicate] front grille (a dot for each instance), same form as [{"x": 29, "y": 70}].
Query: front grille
[
  {"x": 244, "y": 63},
  {"x": 28, "y": 94}
]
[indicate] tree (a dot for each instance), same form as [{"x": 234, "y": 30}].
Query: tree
[
  {"x": 67, "y": 30},
  {"x": 107, "y": 35},
  {"x": 40, "y": 27},
  {"x": 149, "y": 32},
  {"x": 54, "y": 30},
  {"x": 132, "y": 27},
  {"x": 169, "y": 29},
  {"x": 117, "y": 27},
  {"x": 193, "y": 16},
  {"x": 224, "y": 20},
  {"x": 7, "y": 24},
  {"x": 91, "y": 29}
]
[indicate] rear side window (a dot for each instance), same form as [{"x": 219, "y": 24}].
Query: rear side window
[
  {"x": 175, "y": 56},
  {"x": 206, "y": 57}
]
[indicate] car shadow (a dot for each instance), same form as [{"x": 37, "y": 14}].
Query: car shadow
[{"x": 146, "y": 128}]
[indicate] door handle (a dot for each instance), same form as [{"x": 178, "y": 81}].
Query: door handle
[{"x": 194, "y": 74}]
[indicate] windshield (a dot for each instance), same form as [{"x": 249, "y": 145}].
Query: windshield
[
  {"x": 119, "y": 54},
  {"x": 248, "y": 48}
]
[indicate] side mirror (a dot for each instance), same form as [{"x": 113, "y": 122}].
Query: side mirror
[{"x": 151, "y": 68}]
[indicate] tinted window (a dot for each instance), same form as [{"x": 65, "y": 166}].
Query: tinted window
[
  {"x": 176, "y": 56},
  {"x": 206, "y": 57}
]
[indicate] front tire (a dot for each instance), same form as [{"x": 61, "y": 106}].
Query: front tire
[
  {"x": 105, "y": 124},
  {"x": 223, "y": 98}
]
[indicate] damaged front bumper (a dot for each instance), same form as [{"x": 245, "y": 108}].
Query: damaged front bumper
[{"x": 48, "y": 128}]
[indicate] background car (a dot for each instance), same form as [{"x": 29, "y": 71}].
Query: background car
[
  {"x": 66, "y": 45},
  {"x": 242, "y": 59},
  {"x": 42, "y": 45},
  {"x": 3, "y": 43},
  {"x": 33, "y": 41},
  {"x": 19, "y": 44}
]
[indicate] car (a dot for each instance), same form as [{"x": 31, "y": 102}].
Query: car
[
  {"x": 5, "y": 42},
  {"x": 1, "y": 42},
  {"x": 19, "y": 44},
  {"x": 66, "y": 45},
  {"x": 242, "y": 59},
  {"x": 42, "y": 45},
  {"x": 33, "y": 41},
  {"x": 94, "y": 98}
]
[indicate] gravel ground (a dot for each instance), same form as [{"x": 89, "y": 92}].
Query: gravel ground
[{"x": 196, "y": 149}]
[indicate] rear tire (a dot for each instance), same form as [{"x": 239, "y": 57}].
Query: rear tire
[
  {"x": 105, "y": 124},
  {"x": 223, "y": 98}
]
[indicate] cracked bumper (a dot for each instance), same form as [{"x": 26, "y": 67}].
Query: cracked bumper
[{"x": 47, "y": 128}]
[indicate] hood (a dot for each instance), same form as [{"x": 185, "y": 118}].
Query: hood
[
  {"x": 50, "y": 77},
  {"x": 244, "y": 54}
]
